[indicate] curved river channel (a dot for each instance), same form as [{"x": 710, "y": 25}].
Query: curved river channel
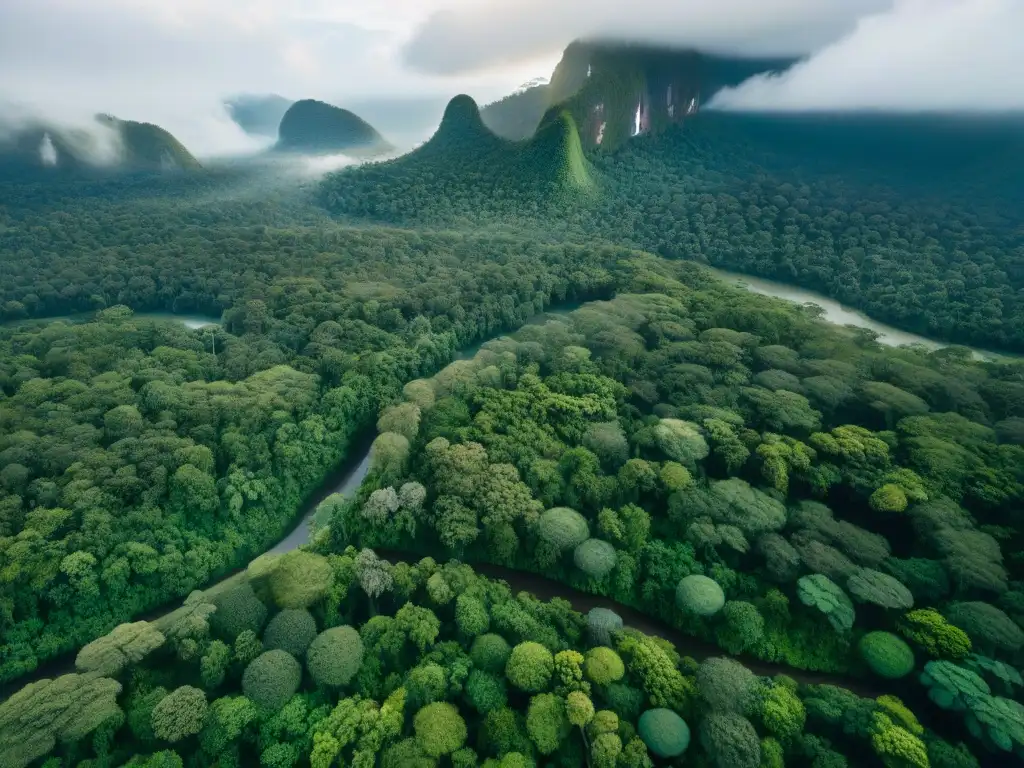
[
  {"x": 838, "y": 314},
  {"x": 347, "y": 478}
]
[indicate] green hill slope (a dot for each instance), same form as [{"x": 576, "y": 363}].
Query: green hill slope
[
  {"x": 315, "y": 127},
  {"x": 557, "y": 149},
  {"x": 462, "y": 131},
  {"x": 150, "y": 147},
  {"x": 110, "y": 145},
  {"x": 465, "y": 158}
]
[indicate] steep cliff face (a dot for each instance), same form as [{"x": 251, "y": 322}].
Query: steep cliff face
[{"x": 616, "y": 90}]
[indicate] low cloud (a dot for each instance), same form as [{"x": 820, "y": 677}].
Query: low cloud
[
  {"x": 173, "y": 63},
  {"x": 903, "y": 55},
  {"x": 922, "y": 55},
  {"x": 48, "y": 152},
  {"x": 477, "y": 34}
]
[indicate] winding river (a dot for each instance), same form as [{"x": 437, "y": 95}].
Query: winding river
[
  {"x": 838, "y": 314},
  {"x": 350, "y": 474}
]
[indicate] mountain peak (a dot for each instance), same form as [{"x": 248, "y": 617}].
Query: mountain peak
[
  {"x": 461, "y": 129},
  {"x": 462, "y": 114}
]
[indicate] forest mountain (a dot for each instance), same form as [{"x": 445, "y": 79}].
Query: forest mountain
[
  {"x": 913, "y": 219},
  {"x": 551, "y": 165},
  {"x": 315, "y": 127},
  {"x": 108, "y": 143},
  {"x": 258, "y": 114},
  {"x": 840, "y": 518},
  {"x": 427, "y": 389}
]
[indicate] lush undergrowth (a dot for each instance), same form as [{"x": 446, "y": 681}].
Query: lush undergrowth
[{"x": 729, "y": 463}]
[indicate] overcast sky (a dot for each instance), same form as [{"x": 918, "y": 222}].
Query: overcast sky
[
  {"x": 922, "y": 54},
  {"x": 172, "y": 61}
]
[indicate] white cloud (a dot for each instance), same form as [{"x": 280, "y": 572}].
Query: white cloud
[
  {"x": 922, "y": 55},
  {"x": 172, "y": 63},
  {"x": 479, "y": 33}
]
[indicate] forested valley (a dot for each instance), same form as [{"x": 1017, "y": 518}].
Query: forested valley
[
  {"x": 822, "y": 534},
  {"x": 884, "y": 214}
]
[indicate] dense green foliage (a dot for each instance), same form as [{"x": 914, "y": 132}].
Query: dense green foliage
[
  {"x": 334, "y": 656},
  {"x": 291, "y": 630},
  {"x": 422, "y": 693},
  {"x": 271, "y": 679},
  {"x": 886, "y": 654},
  {"x": 748, "y": 548},
  {"x": 664, "y": 732},
  {"x": 545, "y": 170},
  {"x": 755, "y": 556},
  {"x": 792, "y": 493},
  {"x": 700, "y": 595},
  {"x": 185, "y": 462}
]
